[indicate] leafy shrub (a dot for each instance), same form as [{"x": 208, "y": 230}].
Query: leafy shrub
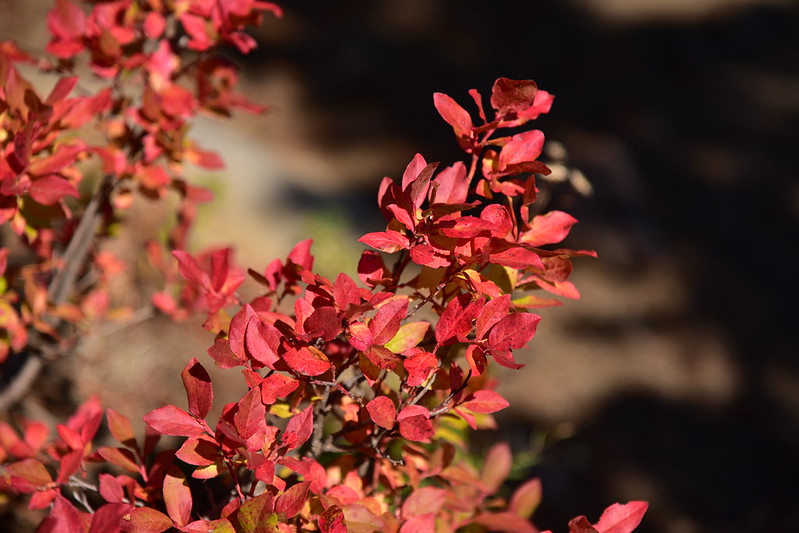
[{"x": 353, "y": 388}]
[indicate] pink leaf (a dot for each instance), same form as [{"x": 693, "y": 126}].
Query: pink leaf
[
  {"x": 382, "y": 411},
  {"x": 451, "y": 185},
  {"x": 548, "y": 229},
  {"x": 422, "y": 501},
  {"x": 497, "y": 466},
  {"x": 171, "y": 420},
  {"x": 621, "y": 518},
  {"x": 526, "y": 498},
  {"x": 454, "y": 115},
  {"x": 198, "y": 387}
]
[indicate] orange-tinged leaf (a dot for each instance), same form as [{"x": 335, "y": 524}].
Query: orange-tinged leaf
[
  {"x": 414, "y": 423},
  {"x": 419, "y": 366},
  {"x": 425, "y": 500},
  {"x": 497, "y": 466},
  {"x": 120, "y": 457},
  {"x": 484, "y": 401},
  {"x": 28, "y": 475},
  {"x": 145, "y": 520},
  {"x": 526, "y": 498},
  {"x": 382, "y": 411},
  {"x": 388, "y": 241},
  {"x": 177, "y": 496},
  {"x": 550, "y": 228},
  {"x": 120, "y": 428},
  {"x": 505, "y": 522},
  {"x": 256, "y": 515},
  {"x": 199, "y": 451},
  {"x": 307, "y": 360}
]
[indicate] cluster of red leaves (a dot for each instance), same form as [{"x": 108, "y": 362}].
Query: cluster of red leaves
[
  {"x": 352, "y": 388},
  {"x": 135, "y": 129}
]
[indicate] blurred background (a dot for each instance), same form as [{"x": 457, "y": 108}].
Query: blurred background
[{"x": 675, "y": 379}]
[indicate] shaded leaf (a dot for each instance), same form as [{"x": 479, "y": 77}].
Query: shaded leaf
[
  {"x": 299, "y": 428},
  {"x": 526, "y": 498},
  {"x": 497, "y": 466},
  {"x": 291, "y": 502},
  {"x": 414, "y": 423},
  {"x": 49, "y": 190},
  {"x": 198, "y": 387}
]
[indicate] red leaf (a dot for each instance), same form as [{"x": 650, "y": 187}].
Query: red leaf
[
  {"x": 223, "y": 356},
  {"x": 387, "y": 321},
  {"x": 66, "y": 22},
  {"x": 28, "y": 475},
  {"x": 454, "y": 115},
  {"x": 581, "y": 525},
  {"x": 382, "y": 357},
  {"x": 65, "y": 155},
  {"x": 476, "y": 358},
  {"x": 177, "y": 496},
  {"x": 346, "y": 292},
  {"x": 299, "y": 428},
  {"x": 493, "y": 311},
  {"x": 250, "y": 419},
  {"x": 426, "y": 255},
  {"x": 621, "y": 518},
  {"x": 419, "y": 366},
  {"x": 301, "y": 254},
  {"x": 198, "y": 387},
  {"x": 324, "y": 322},
  {"x": 277, "y": 386},
  {"x": 145, "y": 520},
  {"x": 500, "y": 219},
  {"x": 513, "y": 332},
  {"x": 382, "y": 411},
  {"x": 388, "y": 241},
  {"x": 120, "y": 457},
  {"x": 332, "y": 520},
  {"x": 548, "y": 229},
  {"x": 171, "y": 420},
  {"x": 307, "y": 360},
  {"x": 414, "y": 423},
  {"x": 456, "y": 320},
  {"x": 505, "y": 522},
  {"x": 416, "y": 180},
  {"x": 485, "y": 402},
  {"x": 371, "y": 268},
  {"x": 50, "y": 190},
  {"x": 262, "y": 341},
  {"x": 466, "y": 227},
  {"x": 291, "y": 502},
  {"x": 107, "y": 517},
  {"x": 522, "y": 149},
  {"x": 517, "y": 257},
  {"x": 62, "y": 518}
]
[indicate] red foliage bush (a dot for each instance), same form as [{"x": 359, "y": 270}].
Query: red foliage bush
[{"x": 351, "y": 386}]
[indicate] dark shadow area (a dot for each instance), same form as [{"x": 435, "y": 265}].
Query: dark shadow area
[{"x": 687, "y": 130}]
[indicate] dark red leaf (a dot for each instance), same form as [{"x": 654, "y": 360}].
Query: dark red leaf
[
  {"x": 106, "y": 518},
  {"x": 324, "y": 322},
  {"x": 346, "y": 292},
  {"x": 382, "y": 411},
  {"x": 332, "y": 520},
  {"x": 512, "y": 96},
  {"x": 500, "y": 219},
  {"x": 198, "y": 387},
  {"x": 466, "y": 227},
  {"x": 223, "y": 356},
  {"x": 426, "y": 255},
  {"x": 171, "y": 420},
  {"x": 371, "y": 268}
]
